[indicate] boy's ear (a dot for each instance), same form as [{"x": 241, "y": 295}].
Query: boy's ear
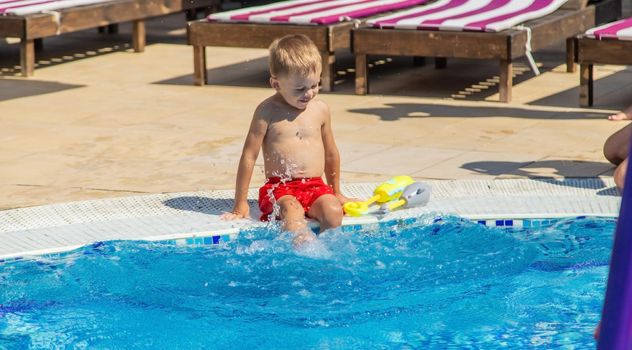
[{"x": 274, "y": 82}]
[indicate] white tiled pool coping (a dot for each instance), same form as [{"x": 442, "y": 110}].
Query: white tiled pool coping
[{"x": 195, "y": 215}]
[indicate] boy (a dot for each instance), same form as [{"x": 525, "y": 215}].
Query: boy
[{"x": 294, "y": 131}]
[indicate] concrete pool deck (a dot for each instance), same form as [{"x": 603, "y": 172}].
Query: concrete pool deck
[{"x": 99, "y": 121}]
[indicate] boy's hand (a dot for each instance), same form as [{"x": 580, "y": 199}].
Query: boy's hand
[
  {"x": 240, "y": 211},
  {"x": 344, "y": 199}
]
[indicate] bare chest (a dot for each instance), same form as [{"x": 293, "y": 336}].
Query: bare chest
[{"x": 294, "y": 130}]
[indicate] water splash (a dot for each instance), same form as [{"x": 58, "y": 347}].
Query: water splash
[{"x": 284, "y": 176}]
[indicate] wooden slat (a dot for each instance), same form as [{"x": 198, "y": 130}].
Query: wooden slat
[
  {"x": 91, "y": 16},
  {"x": 328, "y": 71},
  {"x": 593, "y": 51},
  {"x": 27, "y": 57},
  {"x": 361, "y": 75},
  {"x": 199, "y": 65},
  {"x": 506, "y": 80},
  {"x": 516, "y": 43},
  {"x": 546, "y": 31},
  {"x": 138, "y": 35},
  {"x": 586, "y": 85},
  {"x": 559, "y": 26},
  {"x": 604, "y": 51},
  {"x": 403, "y": 42},
  {"x": 40, "y": 26},
  {"x": 504, "y": 46},
  {"x": 340, "y": 36},
  {"x": 327, "y": 39},
  {"x": 571, "y": 55},
  {"x": 12, "y": 26},
  {"x": 204, "y": 33}
]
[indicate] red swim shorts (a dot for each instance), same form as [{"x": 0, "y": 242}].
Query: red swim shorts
[{"x": 305, "y": 190}]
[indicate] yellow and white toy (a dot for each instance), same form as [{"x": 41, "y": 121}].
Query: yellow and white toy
[
  {"x": 386, "y": 192},
  {"x": 416, "y": 194}
]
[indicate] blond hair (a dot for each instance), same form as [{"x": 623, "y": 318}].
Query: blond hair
[{"x": 294, "y": 54}]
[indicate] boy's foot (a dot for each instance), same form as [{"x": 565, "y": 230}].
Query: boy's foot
[{"x": 303, "y": 238}]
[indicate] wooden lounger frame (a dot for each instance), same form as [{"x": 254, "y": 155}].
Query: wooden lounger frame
[
  {"x": 41, "y": 25},
  {"x": 327, "y": 38},
  {"x": 593, "y": 51},
  {"x": 575, "y": 17}
]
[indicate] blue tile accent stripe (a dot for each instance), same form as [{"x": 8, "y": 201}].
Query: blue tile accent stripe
[
  {"x": 200, "y": 241},
  {"x": 526, "y": 223},
  {"x": 500, "y": 222},
  {"x": 211, "y": 240}
]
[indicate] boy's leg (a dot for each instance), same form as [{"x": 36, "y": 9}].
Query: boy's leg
[
  {"x": 293, "y": 217},
  {"x": 327, "y": 210},
  {"x": 616, "y": 147}
]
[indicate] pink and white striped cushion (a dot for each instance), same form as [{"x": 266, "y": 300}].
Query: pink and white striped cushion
[
  {"x": 25, "y": 7},
  {"x": 620, "y": 30},
  {"x": 469, "y": 15},
  {"x": 312, "y": 11}
]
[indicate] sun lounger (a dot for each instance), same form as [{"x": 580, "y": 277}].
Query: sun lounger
[
  {"x": 30, "y": 20},
  {"x": 607, "y": 44},
  {"x": 482, "y": 29},
  {"x": 327, "y": 22}
]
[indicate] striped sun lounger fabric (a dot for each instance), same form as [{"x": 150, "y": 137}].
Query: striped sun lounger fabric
[
  {"x": 468, "y": 15},
  {"x": 314, "y": 12},
  {"x": 619, "y": 30},
  {"x": 25, "y": 7}
]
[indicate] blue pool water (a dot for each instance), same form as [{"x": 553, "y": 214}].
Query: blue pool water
[{"x": 449, "y": 284}]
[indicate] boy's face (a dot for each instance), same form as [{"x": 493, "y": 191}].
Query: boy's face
[{"x": 296, "y": 89}]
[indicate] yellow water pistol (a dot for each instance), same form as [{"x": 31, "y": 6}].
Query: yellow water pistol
[{"x": 388, "y": 191}]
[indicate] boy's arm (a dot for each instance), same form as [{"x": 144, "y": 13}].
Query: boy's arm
[
  {"x": 249, "y": 155},
  {"x": 332, "y": 157}
]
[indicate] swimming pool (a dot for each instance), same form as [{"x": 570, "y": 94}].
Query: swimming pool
[
  {"x": 434, "y": 283},
  {"x": 502, "y": 274}
]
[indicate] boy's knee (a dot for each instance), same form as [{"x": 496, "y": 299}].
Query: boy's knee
[
  {"x": 292, "y": 214},
  {"x": 289, "y": 205},
  {"x": 332, "y": 214}
]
